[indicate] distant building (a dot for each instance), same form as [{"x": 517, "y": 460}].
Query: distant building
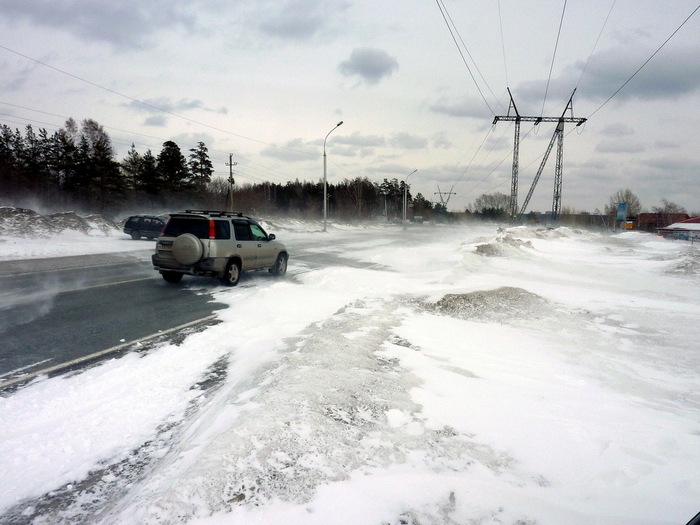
[
  {"x": 652, "y": 222},
  {"x": 687, "y": 230}
]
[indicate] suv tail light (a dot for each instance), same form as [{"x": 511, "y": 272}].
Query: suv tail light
[{"x": 212, "y": 229}]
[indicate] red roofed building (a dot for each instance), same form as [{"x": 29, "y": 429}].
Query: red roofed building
[{"x": 687, "y": 230}]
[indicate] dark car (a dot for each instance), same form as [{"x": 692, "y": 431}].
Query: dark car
[{"x": 147, "y": 226}]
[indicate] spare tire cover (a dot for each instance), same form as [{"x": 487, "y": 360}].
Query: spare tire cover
[{"x": 187, "y": 249}]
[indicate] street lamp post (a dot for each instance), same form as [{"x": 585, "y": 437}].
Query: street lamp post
[
  {"x": 325, "y": 183},
  {"x": 405, "y": 191}
]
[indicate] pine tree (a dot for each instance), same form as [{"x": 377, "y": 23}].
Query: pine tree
[
  {"x": 172, "y": 167},
  {"x": 64, "y": 155},
  {"x": 201, "y": 168},
  {"x": 130, "y": 167},
  {"x": 148, "y": 178}
]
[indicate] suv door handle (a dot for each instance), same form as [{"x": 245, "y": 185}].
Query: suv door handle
[
  {"x": 259, "y": 245},
  {"x": 239, "y": 246}
]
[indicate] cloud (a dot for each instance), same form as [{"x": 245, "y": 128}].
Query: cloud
[
  {"x": 166, "y": 105},
  {"x": 461, "y": 108},
  {"x": 619, "y": 147},
  {"x": 156, "y": 121},
  {"x": 124, "y": 24},
  {"x": 299, "y": 19},
  {"x": 20, "y": 80},
  {"x": 440, "y": 141},
  {"x": 407, "y": 141},
  {"x": 617, "y": 130},
  {"x": 684, "y": 165},
  {"x": 361, "y": 141},
  {"x": 291, "y": 151},
  {"x": 357, "y": 145},
  {"x": 668, "y": 75},
  {"x": 666, "y": 144},
  {"x": 372, "y": 65},
  {"x": 498, "y": 143},
  {"x": 390, "y": 171},
  {"x": 187, "y": 141}
]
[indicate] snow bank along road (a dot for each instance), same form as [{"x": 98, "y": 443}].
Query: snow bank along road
[{"x": 439, "y": 375}]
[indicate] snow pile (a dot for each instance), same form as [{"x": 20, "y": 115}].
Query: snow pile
[
  {"x": 687, "y": 264},
  {"x": 505, "y": 244},
  {"x": 22, "y": 222},
  {"x": 504, "y": 304}
]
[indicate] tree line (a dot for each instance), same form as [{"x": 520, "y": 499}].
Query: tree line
[{"x": 76, "y": 167}]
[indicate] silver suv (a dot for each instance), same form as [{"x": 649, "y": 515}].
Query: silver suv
[{"x": 216, "y": 244}]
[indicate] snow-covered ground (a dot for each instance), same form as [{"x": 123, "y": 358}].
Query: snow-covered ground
[{"x": 454, "y": 375}]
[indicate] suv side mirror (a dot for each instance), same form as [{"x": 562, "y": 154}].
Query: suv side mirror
[{"x": 271, "y": 237}]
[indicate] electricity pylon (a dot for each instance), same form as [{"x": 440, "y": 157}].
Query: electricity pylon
[
  {"x": 558, "y": 135},
  {"x": 448, "y": 193}
]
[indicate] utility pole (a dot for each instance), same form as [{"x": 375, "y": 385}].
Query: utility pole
[
  {"x": 231, "y": 182},
  {"x": 558, "y": 136}
]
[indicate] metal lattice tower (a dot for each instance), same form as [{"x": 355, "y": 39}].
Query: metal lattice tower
[{"x": 558, "y": 136}]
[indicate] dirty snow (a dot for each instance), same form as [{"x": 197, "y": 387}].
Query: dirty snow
[{"x": 443, "y": 375}]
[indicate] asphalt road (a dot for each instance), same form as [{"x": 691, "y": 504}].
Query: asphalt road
[
  {"x": 59, "y": 313},
  {"x": 56, "y": 311}
]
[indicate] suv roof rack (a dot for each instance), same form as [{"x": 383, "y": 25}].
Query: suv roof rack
[{"x": 217, "y": 213}]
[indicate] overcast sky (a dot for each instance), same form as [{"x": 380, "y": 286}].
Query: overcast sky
[{"x": 266, "y": 80}]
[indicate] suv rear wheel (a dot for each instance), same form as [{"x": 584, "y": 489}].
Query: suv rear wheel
[
  {"x": 232, "y": 274},
  {"x": 136, "y": 235},
  {"x": 172, "y": 277}
]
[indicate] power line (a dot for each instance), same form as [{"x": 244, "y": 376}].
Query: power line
[
  {"x": 503, "y": 45},
  {"x": 551, "y": 67},
  {"x": 595, "y": 45},
  {"x": 486, "y": 136},
  {"x": 446, "y": 17},
  {"x": 476, "y": 66},
  {"x": 645, "y": 62}
]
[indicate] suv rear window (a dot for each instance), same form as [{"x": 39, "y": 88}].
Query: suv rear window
[{"x": 197, "y": 227}]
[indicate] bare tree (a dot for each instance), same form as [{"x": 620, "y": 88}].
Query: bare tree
[
  {"x": 669, "y": 208},
  {"x": 492, "y": 203},
  {"x": 634, "y": 207}
]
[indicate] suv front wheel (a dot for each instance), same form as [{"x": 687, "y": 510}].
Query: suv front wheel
[
  {"x": 280, "y": 267},
  {"x": 232, "y": 274}
]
